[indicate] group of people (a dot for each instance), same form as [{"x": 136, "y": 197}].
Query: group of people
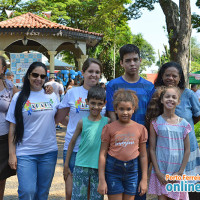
[{"x": 106, "y": 144}]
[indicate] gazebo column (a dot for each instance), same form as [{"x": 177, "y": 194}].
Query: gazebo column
[
  {"x": 81, "y": 61},
  {"x": 2, "y": 52},
  {"x": 51, "y": 62}
]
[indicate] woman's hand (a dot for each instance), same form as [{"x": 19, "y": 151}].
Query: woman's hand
[
  {"x": 66, "y": 172},
  {"x": 161, "y": 178},
  {"x": 12, "y": 161},
  {"x": 142, "y": 188},
  {"x": 102, "y": 187},
  {"x": 48, "y": 89}
]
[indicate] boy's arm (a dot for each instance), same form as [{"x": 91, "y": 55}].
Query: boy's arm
[
  {"x": 112, "y": 116},
  {"x": 186, "y": 155},
  {"x": 77, "y": 132},
  {"x": 142, "y": 188},
  {"x": 102, "y": 187}
]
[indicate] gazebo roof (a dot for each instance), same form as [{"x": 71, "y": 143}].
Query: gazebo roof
[
  {"x": 30, "y": 24},
  {"x": 30, "y": 20}
]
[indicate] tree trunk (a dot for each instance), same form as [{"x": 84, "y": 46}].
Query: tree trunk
[{"x": 178, "y": 20}]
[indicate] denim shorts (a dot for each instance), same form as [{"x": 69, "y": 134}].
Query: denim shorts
[
  {"x": 72, "y": 160},
  {"x": 121, "y": 176}
]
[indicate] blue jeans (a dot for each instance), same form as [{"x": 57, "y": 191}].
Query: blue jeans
[
  {"x": 71, "y": 161},
  {"x": 121, "y": 176},
  {"x": 35, "y": 174}
]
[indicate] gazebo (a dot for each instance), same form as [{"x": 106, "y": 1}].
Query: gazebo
[{"x": 32, "y": 32}]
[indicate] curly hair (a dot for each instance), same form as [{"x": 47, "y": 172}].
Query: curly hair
[
  {"x": 125, "y": 95},
  {"x": 155, "y": 107}
]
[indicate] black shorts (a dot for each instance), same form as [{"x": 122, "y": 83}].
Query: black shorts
[{"x": 5, "y": 170}]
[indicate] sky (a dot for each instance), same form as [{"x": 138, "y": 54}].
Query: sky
[{"x": 151, "y": 24}]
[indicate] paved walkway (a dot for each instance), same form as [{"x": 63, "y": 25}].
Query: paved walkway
[{"x": 57, "y": 191}]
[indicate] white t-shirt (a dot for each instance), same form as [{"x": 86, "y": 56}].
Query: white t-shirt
[
  {"x": 39, "y": 124},
  {"x": 56, "y": 87},
  {"x": 198, "y": 94},
  {"x": 75, "y": 99}
]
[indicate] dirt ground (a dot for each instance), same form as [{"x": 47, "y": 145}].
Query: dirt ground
[{"x": 57, "y": 186}]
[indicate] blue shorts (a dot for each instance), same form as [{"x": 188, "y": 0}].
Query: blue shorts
[
  {"x": 72, "y": 160},
  {"x": 121, "y": 176}
]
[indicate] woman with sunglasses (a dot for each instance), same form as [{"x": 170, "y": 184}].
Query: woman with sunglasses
[{"x": 32, "y": 135}]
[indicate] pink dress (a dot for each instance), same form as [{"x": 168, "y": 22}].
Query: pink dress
[{"x": 169, "y": 154}]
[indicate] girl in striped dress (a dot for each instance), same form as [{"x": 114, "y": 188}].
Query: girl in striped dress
[{"x": 169, "y": 142}]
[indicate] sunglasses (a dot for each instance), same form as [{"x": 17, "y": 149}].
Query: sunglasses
[{"x": 35, "y": 75}]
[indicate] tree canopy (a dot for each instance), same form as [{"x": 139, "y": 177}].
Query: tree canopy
[{"x": 101, "y": 16}]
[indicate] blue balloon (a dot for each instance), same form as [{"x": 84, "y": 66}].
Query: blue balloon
[
  {"x": 73, "y": 77},
  {"x": 76, "y": 74},
  {"x": 62, "y": 71},
  {"x": 79, "y": 73},
  {"x": 48, "y": 74},
  {"x": 65, "y": 75},
  {"x": 72, "y": 72}
]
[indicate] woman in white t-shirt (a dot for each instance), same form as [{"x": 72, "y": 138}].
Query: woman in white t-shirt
[
  {"x": 32, "y": 141},
  {"x": 74, "y": 104}
]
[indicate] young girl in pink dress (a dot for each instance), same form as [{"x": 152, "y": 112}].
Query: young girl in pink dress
[{"x": 169, "y": 142}]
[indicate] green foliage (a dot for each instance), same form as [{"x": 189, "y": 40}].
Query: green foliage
[
  {"x": 101, "y": 16},
  {"x": 195, "y": 55},
  {"x": 197, "y": 131},
  {"x": 196, "y": 18},
  {"x": 195, "y": 50},
  {"x": 134, "y": 10},
  {"x": 165, "y": 57},
  {"x": 9, "y": 5},
  {"x": 146, "y": 50}
]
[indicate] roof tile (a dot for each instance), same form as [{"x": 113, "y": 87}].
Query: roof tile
[{"x": 30, "y": 20}]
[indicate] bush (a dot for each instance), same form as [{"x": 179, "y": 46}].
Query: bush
[{"x": 197, "y": 131}]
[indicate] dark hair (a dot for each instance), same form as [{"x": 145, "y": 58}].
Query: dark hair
[
  {"x": 125, "y": 95},
  {"x": 193, "y": 86},
  {"x": 159, "y": 81},
  {"x": 69, "y": 81},
  {"x": 155, "y": 107},
  {"x": 3, "y": 60},
  {"x": 89, "y": 61},
  {"x": 22, "y": 98},
  {"x": 96, "y": 92},
  {"x": 128, "y": 48}
]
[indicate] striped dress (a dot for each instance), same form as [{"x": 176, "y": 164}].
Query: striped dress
[{"x": 169, "y": 154}]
